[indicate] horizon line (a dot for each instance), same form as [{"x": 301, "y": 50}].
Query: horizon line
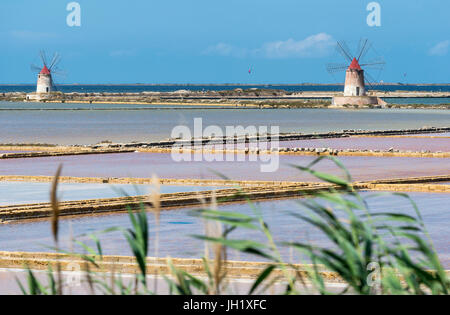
[{"x": 221, "y": 84}]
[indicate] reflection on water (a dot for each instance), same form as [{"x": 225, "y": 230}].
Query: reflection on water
[
  {"x": 177, "y": 225},
  {"x": 87, "y": 127},
  {"x": 26, "y": 192}
]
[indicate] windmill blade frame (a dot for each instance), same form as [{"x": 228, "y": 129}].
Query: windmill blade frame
[
  {"x": 56, "y": 59},
  {"x": 336, "y": 67},
  {"x": 375, "y": 65},
  {"x": 59, "y": 73},
  {"x": 370, "y": 80},
  {"x": 359, "y": 46},
  {"x": 43, "y": 57},
  {"x": 347, "y": 49},
  {"x": 35, "y": 68},
  {"x": 365, "y": 50},
  {"x": 342, "y": 48},
  {"x": 362, "y": 49}
]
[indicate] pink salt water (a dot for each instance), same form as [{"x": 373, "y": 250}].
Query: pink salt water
[
  {"x": 432, "y": 144},
  {"x": 162, "y": 164},
  {"x": 178, "y": 226}
]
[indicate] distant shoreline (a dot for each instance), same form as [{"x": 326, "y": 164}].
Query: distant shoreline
[
  {"x": 234, "y": 98},
  {"x": 227, "y": 84}
]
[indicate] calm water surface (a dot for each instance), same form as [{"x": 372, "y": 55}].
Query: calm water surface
[
  {"x": 417, "y": 100},
  {"x": 87, "y": 127},
  {"x": 162, "y": 164},
  {"x": 177, "y": 225},
  {"x": 28, "y": 192},
  {"x": 440, "y": 135}
]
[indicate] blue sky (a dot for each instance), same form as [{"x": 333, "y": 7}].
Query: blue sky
[{"x": 213, "y": 41}]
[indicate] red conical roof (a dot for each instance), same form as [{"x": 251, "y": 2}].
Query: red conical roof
[
  {"x": 45, "y": 70},
  {"x": 355, "y": 65}
]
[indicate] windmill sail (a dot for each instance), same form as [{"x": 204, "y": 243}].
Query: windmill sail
[
  {"x": 357, "y": 77},
  {"x": 45, "y": 83},
  {"x": 360, "y": 61}
]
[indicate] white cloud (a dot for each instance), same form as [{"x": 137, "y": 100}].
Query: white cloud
[
  {"x": 440, "y": 49},
  {"x": 317, "y": 45},
  {"x": 313, "y": 46}
]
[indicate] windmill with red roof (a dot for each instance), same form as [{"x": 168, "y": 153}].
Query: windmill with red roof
[
  {"x": 45, "y": 83},
  {"x": 356, "y": 76},
  {"x": 354, "y": 80}
]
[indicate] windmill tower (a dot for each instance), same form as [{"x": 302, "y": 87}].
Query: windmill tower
[
  {"x": 354, "y": 80},
  {"x": 45, "y": 84},
  {"x": 355, "y": 92}
]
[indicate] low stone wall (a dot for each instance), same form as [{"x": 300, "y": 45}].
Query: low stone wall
[
  {"x": 149, "y": 181},
  {"x": 186, "y": 95},
  {"x": 306, "y": 151},
  {"x": 224, "y": 140},
  {"x": 407, "y": 137},
  {"x": 212, "y": 182},
  {"x": 341, "y": 101},
  {"x": 128, "y": 265},
  {"x": 411, "y": 180},
  {"x": 167, "y": 201},
  {"x": 21, "y": 155},
  {"x": 281, "y": 151},
  {"x": 410, "y": 188},
  {"x": 178, "y": 200},
  {"x": 372, "y": 153},
  {"x": 195, "y": 142}
]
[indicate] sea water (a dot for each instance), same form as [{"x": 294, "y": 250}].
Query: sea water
[{"x": 88, "y": 127}]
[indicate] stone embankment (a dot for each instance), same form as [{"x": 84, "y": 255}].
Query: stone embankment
[
  {"x": 280, "y": 137},
  {"x": 264, "y": 191},
  {"x": 212, "y": 182},
  {"x": 411, "y": 180},
  {"x": 150, "y": 181},
  {"x": 238, "y": 93},
  {"x": 191, "y": 145},
  {"x": 409, "y": 188},
  {"x": 167, "y": 201},
  {"x": 252, "y": 98},
  {"x": 430, "y": 184},
  {"x": 311, "y": 151},
  {"x": 354, "y": 152},
  {"x": 282, "y": 151},
  {"x": 20, "y": 155},
  {"x": 154, "y": 266},
  {"x": 160, "y": 266},
  {"x": 197, "y": 144}
]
